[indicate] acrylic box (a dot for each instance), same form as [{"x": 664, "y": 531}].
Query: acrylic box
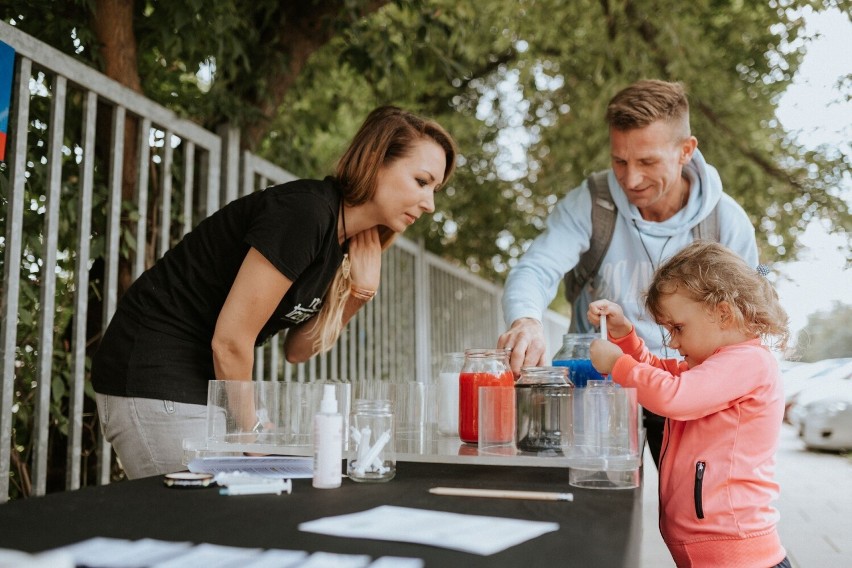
[
  {"x": 274, "y": 417},
  {"x": 265, "y": 417}
]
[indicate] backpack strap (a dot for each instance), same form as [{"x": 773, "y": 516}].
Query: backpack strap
[
  {"x": 708, "y": 228},
  {"x": 603, "y": 224}
]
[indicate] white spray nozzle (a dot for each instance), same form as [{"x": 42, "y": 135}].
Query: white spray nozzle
[{"x": 329, "y": 401}]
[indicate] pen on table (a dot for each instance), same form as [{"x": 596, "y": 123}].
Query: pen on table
[{"x": 502, "y": 493}]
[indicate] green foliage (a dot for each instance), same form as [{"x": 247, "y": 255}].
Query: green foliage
[
  {"x": 522, "y": 84},
  {"x": 536, "y": 76},
  {"x": 827, "y": 335}
]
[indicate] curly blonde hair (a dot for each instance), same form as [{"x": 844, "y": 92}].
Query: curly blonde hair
[
  {"x": 388, "y": 134},
  {"x": 711, "y": 273}
]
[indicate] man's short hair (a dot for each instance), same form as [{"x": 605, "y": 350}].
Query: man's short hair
[{"x": 646, "y": 102}]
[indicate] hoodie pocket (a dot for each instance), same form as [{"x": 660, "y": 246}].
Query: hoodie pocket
[{"x": 699, "y": 488}]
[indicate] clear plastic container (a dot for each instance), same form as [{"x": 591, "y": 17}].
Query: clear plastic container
[
  {"x": 371, "y": 441},
  {"x": 263, "y": 416},
  {"x": 482, "y": 368},
  {"x": 574, "y": 354},
  {"x": 606, "y": 450},
  {"x": 610, "y": 423},
  {"x": 496, "y": 435},
  {"x": 544, "y": 409}
]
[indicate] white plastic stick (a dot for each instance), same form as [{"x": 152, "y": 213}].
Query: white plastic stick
[
  {"x": 373, "y": 453},
  {"x": 363, "y": 444},
  {"x": 355, "y": 434},
  {"x": 604, "y": 334}
]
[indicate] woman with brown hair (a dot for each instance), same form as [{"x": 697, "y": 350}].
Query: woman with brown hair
[{"x": 302, "y": 256}]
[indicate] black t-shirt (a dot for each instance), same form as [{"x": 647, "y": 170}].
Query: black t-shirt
[{"x": 158, "y": 342}]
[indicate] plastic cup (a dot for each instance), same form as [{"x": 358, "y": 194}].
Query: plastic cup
[{"x": 497, "y": 420}]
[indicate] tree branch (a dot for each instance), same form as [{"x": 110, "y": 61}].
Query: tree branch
[
  {"x": 304, "y": 27},
  {"x": 766, "y": 165}
]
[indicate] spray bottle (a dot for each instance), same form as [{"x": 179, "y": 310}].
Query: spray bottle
[{"x": 328, "y": 442}]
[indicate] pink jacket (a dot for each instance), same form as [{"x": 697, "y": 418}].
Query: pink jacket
[{"x": 717, "y": 464}]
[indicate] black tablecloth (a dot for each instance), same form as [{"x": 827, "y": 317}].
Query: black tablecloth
[{"x": 600, "y": 528}]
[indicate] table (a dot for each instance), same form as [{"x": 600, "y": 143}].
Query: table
[{"x": 599, "y": 528}]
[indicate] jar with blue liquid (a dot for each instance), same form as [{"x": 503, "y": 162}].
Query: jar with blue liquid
[{"x": 574, "y": 354}]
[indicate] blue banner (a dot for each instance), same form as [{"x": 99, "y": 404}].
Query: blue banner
[{"x": 7, "y": 72}]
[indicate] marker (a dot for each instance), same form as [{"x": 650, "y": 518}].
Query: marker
[{"x": 502, "y": 494}]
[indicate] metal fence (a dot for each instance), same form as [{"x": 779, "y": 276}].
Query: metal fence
[{"x": 97, "y": 173}]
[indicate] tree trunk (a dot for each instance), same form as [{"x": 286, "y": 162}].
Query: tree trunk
[
  {"x": 112, "y": 22},
  {"x": 303, "y": 28}
]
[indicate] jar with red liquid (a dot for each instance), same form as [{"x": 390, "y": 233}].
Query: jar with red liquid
[{"x": 483, "y": 368}]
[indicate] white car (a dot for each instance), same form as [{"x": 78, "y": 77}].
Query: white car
[
  {"x": 822, "y": 410},
  {"x": 797, "y": 376}
]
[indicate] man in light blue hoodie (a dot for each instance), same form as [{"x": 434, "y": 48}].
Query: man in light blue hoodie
[{"x": 662, "y": 189}]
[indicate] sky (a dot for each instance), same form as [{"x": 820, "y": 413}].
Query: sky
[{"x": 813, "y": 107}]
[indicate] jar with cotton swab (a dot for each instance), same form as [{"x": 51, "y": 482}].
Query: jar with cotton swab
[{"x": 371, "y": 441}]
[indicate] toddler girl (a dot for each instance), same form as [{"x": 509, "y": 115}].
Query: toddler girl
[{"x": 723, "y": 403}]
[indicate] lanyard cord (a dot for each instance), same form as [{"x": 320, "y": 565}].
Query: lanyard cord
[{"x": 654, "y": 268}]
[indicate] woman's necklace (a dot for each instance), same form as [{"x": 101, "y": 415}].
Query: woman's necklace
[
  {"x": 343, "y": 221},
  {"x": 346, "y": 265}
]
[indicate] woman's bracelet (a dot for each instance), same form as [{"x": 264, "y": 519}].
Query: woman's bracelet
[{"x": 361, "y": 293}]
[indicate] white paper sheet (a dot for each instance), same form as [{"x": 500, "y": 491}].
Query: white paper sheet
[
  {"x": 397, "y": 562},
  {"x": 101, "y": 552},
  {"x": 212, "y": 556},
  {"x": 468, "y": 533},
  {"x": 51, "y": 559},
  {"x": 334, "y": 560},
  {"x": 278, "y": 559}
]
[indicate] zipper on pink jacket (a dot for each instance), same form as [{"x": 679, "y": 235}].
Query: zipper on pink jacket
[{"x": 699, "y": 484}]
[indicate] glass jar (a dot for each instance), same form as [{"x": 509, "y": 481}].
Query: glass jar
[
  {"x": 574, "y": 354},
  {"x": 483, "y": 368},
  {"x": 544, "y": 408},
  {"x": 371, "y": 435},
  {"x": 609, "y": 420},
  {"x": 448, "y": 394}
]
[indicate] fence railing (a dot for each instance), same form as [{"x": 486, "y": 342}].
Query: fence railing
[{"x": 97, "y": 174}]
